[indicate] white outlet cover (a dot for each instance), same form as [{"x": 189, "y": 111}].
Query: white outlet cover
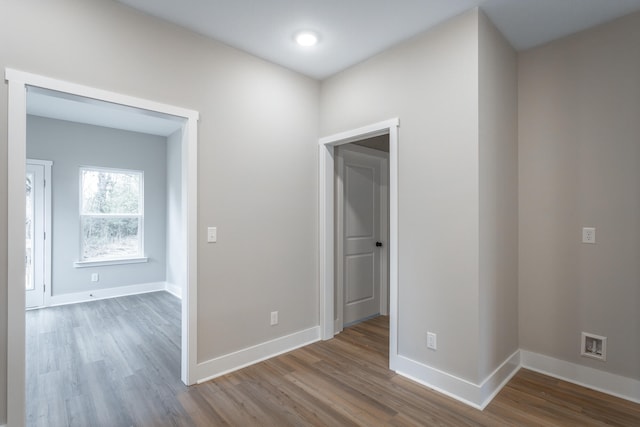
[
  {"x": 589, "y": 235},
  {"x": 431, "y": 341}
]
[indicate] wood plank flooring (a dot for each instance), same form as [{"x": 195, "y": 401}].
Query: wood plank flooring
[
  {"x": 113, "y": 362},
  {"x": 117, "y": 363}
]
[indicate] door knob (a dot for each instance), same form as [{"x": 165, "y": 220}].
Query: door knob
[{"x": 378, "y": 244}]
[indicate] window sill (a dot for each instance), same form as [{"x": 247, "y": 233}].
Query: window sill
[{"x": 119, "y": 261}]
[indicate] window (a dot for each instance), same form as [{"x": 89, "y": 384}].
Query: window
[{"x": 111, "y": 214}]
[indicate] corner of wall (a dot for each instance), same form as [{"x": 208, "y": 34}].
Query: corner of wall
[
  {"x": 477, "y": 395},
  {"x": 498, "y": 199}
]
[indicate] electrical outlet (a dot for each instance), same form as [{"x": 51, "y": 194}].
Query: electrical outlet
[
  {"x": 95, "y": 277},
  {"x": 431, "y": 341},
  {"x": 274, "y": 318},
  {"x": 589, "y": 235}
]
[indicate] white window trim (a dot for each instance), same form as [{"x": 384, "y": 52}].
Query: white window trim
[
  {"x": 96, "y": 262},
  {"x": 113, "y": 261}
]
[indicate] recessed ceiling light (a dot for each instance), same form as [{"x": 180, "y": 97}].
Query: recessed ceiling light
[{"x": 306, "y": 38}]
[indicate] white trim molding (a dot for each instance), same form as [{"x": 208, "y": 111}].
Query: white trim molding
[
  {"x": 242, "y": 358},
  {"x": 18, "y": 81},
  {"x": 118, "y": 261},
  {"x": 475, "y": 395},
  {"x": 106, "y": 293},
  {"x": 605, "y": 382},
  {"x": 480, "y": 395},
  {"x": 326, "y": 227}
]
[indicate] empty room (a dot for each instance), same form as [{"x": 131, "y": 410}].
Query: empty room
[{"x": 320, "y": 213}]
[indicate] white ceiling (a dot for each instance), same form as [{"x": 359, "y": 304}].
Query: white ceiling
[
  {"x": 350, "y": 31},
  {"x": 353, "y": 30},
  {"x": 63, "y": 106}
]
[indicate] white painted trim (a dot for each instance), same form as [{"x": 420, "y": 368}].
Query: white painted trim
[
  {"x": 104, "y": 262},
  {"x": 106, "y": 293},
  {"x": 338, "y": 218},
  {"x": 189, "y": 171},
  {"x": 16, "y": 165},
  {"x": 242, "y": 358},
  {"x": 605, "y": 382},
  {"x": 99, "y": 94},
  {"x": 173, "y": 289},
  {"x": 16, "y": 155},
  {"x": 358, "y": 134},
  {"x": 325, "y": 241},
  {"x": 326, "y": 226},
  {"x": 393, "y": 244},
  {"x": 474, "y": 395}
]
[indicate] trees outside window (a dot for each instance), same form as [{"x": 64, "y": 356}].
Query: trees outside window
[{"x": 111, "y": 214}]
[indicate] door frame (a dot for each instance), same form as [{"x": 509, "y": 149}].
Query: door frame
[
  {"x": 383, "y": 189},
  {"x": 46, "y": 164},
  {"x": 18, "y": 81},
  {"x": 326, "y": 169}
]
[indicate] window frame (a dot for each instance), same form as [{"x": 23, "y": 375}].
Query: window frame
[{"x": 92, "y": 262}]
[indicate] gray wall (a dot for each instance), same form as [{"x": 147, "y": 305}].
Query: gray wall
[
  {"x": 72, "y": 145},
  {"x": 432, "y": 83},
  {"x": 579, "y": 165},
  {"x": 176, "y": 255},
  {"x": 498, "y": 184},
  {"x": 257, "y": 155}
]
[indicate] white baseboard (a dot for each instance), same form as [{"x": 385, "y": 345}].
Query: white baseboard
[
  {"x": 174, "y": 289},
  {"x": 475, "y": 395},
  {"x": 105, "y": 293},
  {"x": 237, "y": 360},
  {"x": 615, "y": 385}
]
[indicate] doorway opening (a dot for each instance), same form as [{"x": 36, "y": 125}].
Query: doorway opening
[
  {"x": 362, "y": 231},
  {"x": 19, "y": 84},
  {"x": 37, "y": 228},
  {"x": 327, "y": 165}
]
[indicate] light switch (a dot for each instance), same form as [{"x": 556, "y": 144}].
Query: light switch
[{"x": 212, "y": 234}]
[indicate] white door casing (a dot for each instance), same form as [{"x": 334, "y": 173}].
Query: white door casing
[
  {"x": 38, "y": 233},
  {"x": 16, "y": 155},
  {"x": 361, "y": 222},
  {"x": 326, "y": 229}
]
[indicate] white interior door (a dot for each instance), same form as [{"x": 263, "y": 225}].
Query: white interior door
[
  {"x": 360, "y": 177},
  {"x": 35, "y": 227}
]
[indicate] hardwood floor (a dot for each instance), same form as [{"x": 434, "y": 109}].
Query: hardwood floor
[
  {"x": 113, "y": 362},
  {"x": 116, "y": 363}
]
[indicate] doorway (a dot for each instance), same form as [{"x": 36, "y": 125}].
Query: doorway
[
  {"x": 326, "y": 192},
  {"x": 37, "y": 257},
  {"x": 18, "y": 83},
  {"x": 361, "y": 180}
]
